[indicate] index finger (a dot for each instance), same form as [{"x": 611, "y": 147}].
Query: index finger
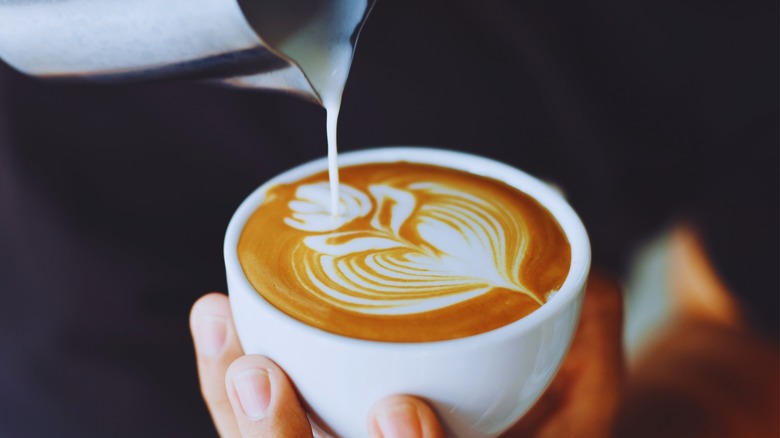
[{"x": 216, "y": 347}]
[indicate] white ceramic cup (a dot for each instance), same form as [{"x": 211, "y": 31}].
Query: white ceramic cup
[{"x": 479, "y": 385}]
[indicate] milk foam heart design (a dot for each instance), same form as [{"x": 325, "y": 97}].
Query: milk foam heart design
[{"x": 415, "y": 256}]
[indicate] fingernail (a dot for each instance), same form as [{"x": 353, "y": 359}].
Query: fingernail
[
  {"x": 211, "y": 334},
  {"x": 399, "y": 421},
  {"x": 254, "y": 392}
]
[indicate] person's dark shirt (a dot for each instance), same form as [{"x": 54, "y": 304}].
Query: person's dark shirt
[{"x": 114, "y": 199}]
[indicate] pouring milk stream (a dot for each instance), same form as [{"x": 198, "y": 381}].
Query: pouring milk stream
[{"x": 323, "y": 48}]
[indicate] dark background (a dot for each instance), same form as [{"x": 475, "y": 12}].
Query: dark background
[{"x": 114, "y": 199}]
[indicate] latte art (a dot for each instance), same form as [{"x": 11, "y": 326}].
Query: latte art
[
  {"x": 416, "y": 253},
  {"x": 412, "y": 258}
]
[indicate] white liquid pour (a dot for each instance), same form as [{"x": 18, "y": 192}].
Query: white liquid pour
[
  {"x": 327, "y": 67},
  {"x": 323, "y": 50},
  {"x": 333, "y": 162}
]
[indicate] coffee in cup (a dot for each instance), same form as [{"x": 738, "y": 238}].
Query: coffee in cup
[
  {"x": 406, "y": 210},
  {"x": 416, "y": 253}
]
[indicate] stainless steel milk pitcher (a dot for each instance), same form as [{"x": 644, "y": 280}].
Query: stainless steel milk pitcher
[{"x": 135, "y": 40}]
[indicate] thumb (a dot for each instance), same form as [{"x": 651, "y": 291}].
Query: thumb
[{"x": 263, "y": 400}]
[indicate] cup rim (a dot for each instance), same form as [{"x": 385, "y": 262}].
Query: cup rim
[{"x": 547, "y": 196}]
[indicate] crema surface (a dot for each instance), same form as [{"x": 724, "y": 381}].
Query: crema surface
[{"x": 417, "y": 253}]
